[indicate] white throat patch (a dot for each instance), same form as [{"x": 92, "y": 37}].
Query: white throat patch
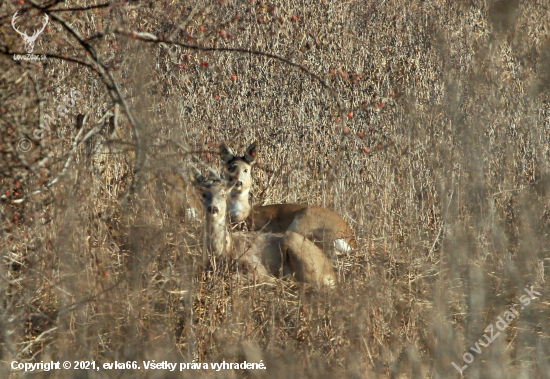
[{"x": 238, "y": 204}]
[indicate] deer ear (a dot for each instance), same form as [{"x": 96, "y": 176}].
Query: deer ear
[
  {"x": 250, "y": 154},
  {"x": 213, "y": 175},
  {"x": 197, "y": 178},
  {"x": 226, "y": 153}
]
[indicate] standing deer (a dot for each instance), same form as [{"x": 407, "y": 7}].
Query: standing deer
[
  {"x": 324, "y": 227},
  {"x": 267, "y": 253},
  {"x": 29, "y": 41}
]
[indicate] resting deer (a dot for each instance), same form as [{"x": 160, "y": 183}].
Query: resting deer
[
  {"x": 324, "y": 227},
  {"x": 267, "y": 253}
]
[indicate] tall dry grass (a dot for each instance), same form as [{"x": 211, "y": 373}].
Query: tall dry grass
[{"x": 442, "y": 171}]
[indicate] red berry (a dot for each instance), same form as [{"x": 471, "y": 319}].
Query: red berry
[
  {"x": 359, "y": 75},
  {"x": 293, "y": 18},
  {"x": 222, "y": 33},
  {"x": 253, "y": 153},
  {"x": 234, "y": 77},
  {"x": 360, "y": 135},
  {"x": 342, "y": 74},
  {"x": 365, "y": 150},
  {"x": 7, "y": 192},
  {"x": 365, "y": 102},
  {"x": 350, "y": 115},
  {"x": 159, "y": 38},
  {"x": 331, "y": 71},
  {"x": 392, "y": 94},
  {"x": 376, "y": 105},
  {"x": 204, "y": 64},
  {"x": 201, "y": 28},
  {"x": 115, "y": 47},
  {"x": 346, "y": 130},
  {"x": 337, "y": 120},
  {"x": 216, "y": 97},
  {"x": 260, "y": 20},
  {"x": 378, "y": 146},
  {"x": 133, "y": 35}
]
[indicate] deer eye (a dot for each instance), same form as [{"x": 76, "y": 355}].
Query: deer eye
[
  {"x": 245, "y": 170},
  {"x": 231, "y": 169}
]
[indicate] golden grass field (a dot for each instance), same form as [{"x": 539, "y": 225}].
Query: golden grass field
[{"x": 424, "y": 124}]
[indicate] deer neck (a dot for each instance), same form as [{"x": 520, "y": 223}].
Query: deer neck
[
  {"x": 239, "y": 207},
  {"x": 217, "y": 239}
]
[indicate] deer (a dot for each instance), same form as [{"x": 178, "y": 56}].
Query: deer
[
  {"x": 324, "y": 227},
  {"x": 29, "y": 41},
  {"x": 268, "y": 254}
]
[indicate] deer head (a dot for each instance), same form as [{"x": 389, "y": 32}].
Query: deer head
[
  {"x": 29, "y": 41},
  {"x": 238, "y": 169}
]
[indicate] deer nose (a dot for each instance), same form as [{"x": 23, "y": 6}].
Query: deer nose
[
  {"x": 212, "y": 209},
  {"x": 239, "y": 183}
]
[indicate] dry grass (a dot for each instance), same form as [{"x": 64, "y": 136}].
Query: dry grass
[{"x": 450, "y": 205}]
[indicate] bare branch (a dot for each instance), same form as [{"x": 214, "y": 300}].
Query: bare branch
[{"x": 148, "y": 37}]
